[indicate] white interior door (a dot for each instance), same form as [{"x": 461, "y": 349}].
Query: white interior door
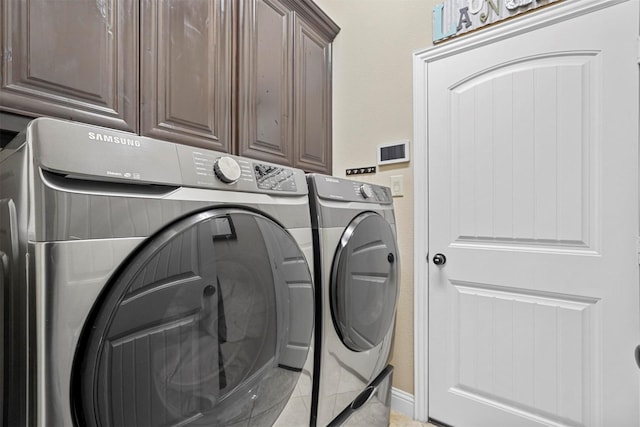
[{"x": 533, "y": 199}]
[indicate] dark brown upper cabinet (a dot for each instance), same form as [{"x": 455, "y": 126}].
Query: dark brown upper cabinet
[
  {"x": 249, "y": 77},
  {"x": 186, "y": 71},
  {"x": 284, "y": 83},
  {"x": 265, "y": 82},
  {"x": 71, "y": 59},
  {"x": 312, "y": 106}
]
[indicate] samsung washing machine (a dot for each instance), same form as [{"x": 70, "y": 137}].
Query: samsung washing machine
[
  {"x": 357, "y": 279},
  {"x": 146, "y": 283}
]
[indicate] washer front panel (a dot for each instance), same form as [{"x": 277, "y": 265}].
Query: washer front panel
[{"x": 209, "y": 323}]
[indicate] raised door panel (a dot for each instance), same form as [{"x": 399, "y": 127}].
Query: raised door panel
[
  {"x": 186, "y": 71},
  {"x": 265, "y": 83},
  {"x": 539, "y": 191},
  {"x": 75, "y": 59},
  {"x": 312, "y": 86}
]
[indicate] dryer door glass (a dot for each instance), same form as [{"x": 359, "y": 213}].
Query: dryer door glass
[
  {"x": 208, "y": 324},
  {"x": 364, "y": 282}
]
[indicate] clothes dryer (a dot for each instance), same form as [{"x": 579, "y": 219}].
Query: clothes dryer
[
  {"x": 149, "y": 283},
  {"x": 357, "y": 279}
]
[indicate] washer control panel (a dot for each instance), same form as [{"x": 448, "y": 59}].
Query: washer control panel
[
  {"x": 272, "y": 177},
  {"x": 116, "y": 156},
  {"x": 210, "y": 169},
  {"x": 227, "y": 169}
]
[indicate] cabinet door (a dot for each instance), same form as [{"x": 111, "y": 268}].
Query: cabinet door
[
  {"x": 186, "y": 71},
  {"x": 74, "y": 59},
  {"x": 312, "y": 106},
  {"x": 264, "y": 82}
]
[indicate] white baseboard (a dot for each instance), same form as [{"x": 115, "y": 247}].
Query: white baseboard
[{"x": 402, "y": 402}]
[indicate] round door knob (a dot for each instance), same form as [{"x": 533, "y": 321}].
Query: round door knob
[
  {"x": 366, "y": 191},
  {"x": 439, "y": 259},
  {"x": 227, "y": 169}
]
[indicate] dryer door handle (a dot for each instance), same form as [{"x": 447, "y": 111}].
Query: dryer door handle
[{"x": 4, "y": 270}]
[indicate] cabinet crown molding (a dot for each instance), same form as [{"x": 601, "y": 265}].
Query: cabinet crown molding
[{"x": 312, "y": 12}]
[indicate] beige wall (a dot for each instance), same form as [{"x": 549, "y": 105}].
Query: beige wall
[{"x": 372, "y": 104}]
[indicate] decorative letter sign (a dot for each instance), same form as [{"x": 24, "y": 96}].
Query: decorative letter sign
[
  {"x": 455, "y": 17},
  {"x": 464, "y": 19},
  {"x": 439, "y": 32}
]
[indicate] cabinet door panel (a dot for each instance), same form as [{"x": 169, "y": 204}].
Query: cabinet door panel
[
  {"x": 186, "y": 71},
  {"x": 265, "y": 84},
  {"x": 74, "y": 59},
  {"x": 312, "y": 86}
]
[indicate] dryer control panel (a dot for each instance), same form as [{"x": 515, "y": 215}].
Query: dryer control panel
[{"x": 330, "y": 187}]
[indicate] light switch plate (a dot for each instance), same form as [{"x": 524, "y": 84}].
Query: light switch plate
[{"x": 396, "y": 186}]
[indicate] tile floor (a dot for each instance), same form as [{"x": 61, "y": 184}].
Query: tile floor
[{"x": 399, "y": 420}]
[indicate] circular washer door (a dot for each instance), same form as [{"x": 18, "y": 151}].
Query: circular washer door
[
  {"x": 364, "y": 282},
  {"x": 209, "y": 323}
]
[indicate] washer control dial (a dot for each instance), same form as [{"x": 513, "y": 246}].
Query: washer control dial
[
  {"x": 227, "y": 169},
  {"x": 366, "y": 191}
]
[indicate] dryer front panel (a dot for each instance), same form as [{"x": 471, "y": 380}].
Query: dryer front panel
[
  {"x": 364, "y": 282},
  {"x": 209, "y": 323}
]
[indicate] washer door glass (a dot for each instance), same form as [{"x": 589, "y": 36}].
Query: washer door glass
[
  {"x": 209, "y": 323},
  {"x": 364, "y": 282}
]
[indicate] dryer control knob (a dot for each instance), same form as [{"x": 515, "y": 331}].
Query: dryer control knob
[
  {"x": 366, "y": 191},
  {"x": 227, "y": 169}
]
